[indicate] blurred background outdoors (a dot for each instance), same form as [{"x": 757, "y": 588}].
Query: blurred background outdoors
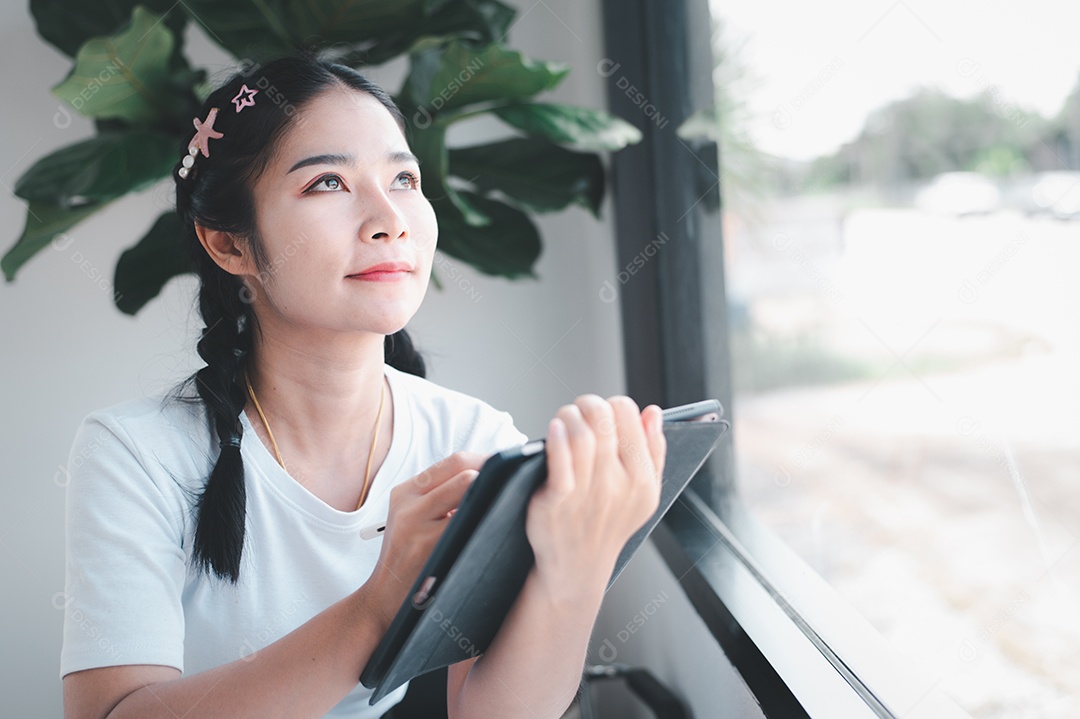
[{"x": 901, "y": 189}]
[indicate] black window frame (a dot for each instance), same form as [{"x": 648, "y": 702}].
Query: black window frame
[{"x": 799, "y": 647}]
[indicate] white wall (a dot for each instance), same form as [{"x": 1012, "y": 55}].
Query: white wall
[{"x": 525, "y": 346}]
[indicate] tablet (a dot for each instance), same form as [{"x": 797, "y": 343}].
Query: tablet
[{"x": 477, "y": 568}]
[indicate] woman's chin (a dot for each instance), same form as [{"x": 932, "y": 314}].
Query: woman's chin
[
  {"x": 389, "y": 323},
  {"x": 390, "y": 313}
]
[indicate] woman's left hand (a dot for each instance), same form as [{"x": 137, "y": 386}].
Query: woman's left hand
[{"x": 605, "y": 462}]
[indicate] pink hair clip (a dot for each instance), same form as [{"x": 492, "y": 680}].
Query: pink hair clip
[
  {"x": 200, "y": 141},
  {"x": 244, "y": 98}
]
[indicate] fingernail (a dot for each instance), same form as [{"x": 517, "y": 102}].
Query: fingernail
[
  {"x": 558, "y": 429},
  {"x": 421, "y": 596}
]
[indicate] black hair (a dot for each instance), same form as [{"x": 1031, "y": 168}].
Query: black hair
[{"x": 217, "y": 192}]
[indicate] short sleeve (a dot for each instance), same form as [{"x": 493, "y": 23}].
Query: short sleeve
[
  {"x": 507, "y": 434},
  {"x": 479, "y": 427},
  {"x": 125, "y": 564}
]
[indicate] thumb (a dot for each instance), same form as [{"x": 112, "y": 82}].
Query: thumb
[{"x": 654, "y": 431}]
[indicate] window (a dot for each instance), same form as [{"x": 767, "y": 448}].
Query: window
[{"x": 901, "y": 191}]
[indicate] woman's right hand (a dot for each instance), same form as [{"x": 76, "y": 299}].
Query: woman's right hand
[{"x": 419, "y": 511}]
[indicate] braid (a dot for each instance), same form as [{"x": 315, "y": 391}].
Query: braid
[
  {"x": 400, "y": 353},
  {"x": 226, "y": 343}
]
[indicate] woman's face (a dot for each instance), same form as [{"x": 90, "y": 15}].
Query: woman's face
[{"x": 342, "y": 195}]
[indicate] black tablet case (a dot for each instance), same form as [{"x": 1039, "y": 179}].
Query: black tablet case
[{"x": 469, "y": 604}]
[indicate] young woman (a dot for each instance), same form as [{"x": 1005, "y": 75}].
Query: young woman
[{"x": 215, "y": 563}]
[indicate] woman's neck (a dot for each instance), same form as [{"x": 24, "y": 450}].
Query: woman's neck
[{"x": 320, "y": 400}]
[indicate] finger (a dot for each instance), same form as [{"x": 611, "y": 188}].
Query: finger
[
  {"x": 601, "y": 418},
  {"x": 440, "y": 500},
  {"x": 582, "y": 443},
  {"x": 633, "y": 445},
  {"x": 444, "y": 470},
  {"x": 654, "y": 423},
  {"x": 560, "y": 461}
]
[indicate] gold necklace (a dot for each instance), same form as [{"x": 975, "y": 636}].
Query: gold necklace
[{"x": 371, "y": 452}]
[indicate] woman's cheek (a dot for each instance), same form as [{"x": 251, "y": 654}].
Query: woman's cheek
[{"x": 424, "y": 232}]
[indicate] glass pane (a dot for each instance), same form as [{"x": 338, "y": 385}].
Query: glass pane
[{"x": 902, "y": 247}]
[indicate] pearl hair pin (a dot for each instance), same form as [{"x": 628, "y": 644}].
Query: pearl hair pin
[{"x": 204, "y": 130}]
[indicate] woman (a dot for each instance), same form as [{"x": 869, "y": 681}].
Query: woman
[{"x": 210, "y": 576}]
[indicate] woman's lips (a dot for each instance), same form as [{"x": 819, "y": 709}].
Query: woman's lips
[
  {"x": 381, "y": 276},
  {"x": 384, "y": 272}
]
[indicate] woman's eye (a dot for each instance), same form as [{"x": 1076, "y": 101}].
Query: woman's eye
[
  {"x": 408, "y": 180},
  {"x": 330, "y": 182}
]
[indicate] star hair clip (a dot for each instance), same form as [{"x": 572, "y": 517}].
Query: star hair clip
[{"x": 204, "y": 130}]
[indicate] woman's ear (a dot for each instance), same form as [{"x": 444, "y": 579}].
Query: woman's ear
[{"x": 229, "y": 253}]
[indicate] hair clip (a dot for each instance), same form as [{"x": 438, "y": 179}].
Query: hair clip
[
  {"x": 244, "y": 98},
  {"x": 200, "y": 141}
]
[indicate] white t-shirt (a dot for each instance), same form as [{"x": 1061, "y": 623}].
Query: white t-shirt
[{"x": 131, "y": 595}]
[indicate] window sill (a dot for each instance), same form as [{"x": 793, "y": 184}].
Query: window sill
[{"x": 800, "y": 648}]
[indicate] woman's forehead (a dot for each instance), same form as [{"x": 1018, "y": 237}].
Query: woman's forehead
[{"x": 340, "y": 120}]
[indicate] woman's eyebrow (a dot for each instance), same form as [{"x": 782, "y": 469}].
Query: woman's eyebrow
[
  {"x": 329, "y": 159},
  {"x": 396, "y": 157},
  {"x": 337, "y": 159}
]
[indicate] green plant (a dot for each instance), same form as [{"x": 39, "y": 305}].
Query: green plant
[{"x": 131, "y": 77}]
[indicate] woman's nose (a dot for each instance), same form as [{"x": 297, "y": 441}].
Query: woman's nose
[{"x": 384, "y": 220}]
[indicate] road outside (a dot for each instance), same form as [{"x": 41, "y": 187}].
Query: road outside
[{"x": 908, "y": 419}]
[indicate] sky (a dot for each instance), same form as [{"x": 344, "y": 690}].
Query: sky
[{"x": 817, "y": 69}]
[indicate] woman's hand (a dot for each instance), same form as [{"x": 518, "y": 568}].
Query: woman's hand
[
  {"x": 605, "y": 463},
  {"x": 419, "y": 511},
  {"x": 605, "y": 460}
]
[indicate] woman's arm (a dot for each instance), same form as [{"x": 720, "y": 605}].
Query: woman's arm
[
  {"x": 309, "y": 670},
  {"x": 533, "y": 667},
  {"x": 603, "y": 484},
  {"x": 303, "y": 674}
]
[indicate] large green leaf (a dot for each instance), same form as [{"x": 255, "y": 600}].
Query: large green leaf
[
  {"x": 67, "y": 24},
  {"x": 535, "y": 173},
  {"x": 480, "y": 21},
  {"x": 456, "y": 74},
  {"x": 579, "y": 127},
  {"x": 415, "y": 92},
  {"x": 144, "y": 269},
  {"x": 429, "y": 146},
  {"x": 353, "y": 31},
  {"x": 124, "y": 76},
  {"x": 99, "y": 169},
  {"x": 263, "y": 30},
  {"x": 508, "y": 246},
  {"x": 44, "y": 222}
]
